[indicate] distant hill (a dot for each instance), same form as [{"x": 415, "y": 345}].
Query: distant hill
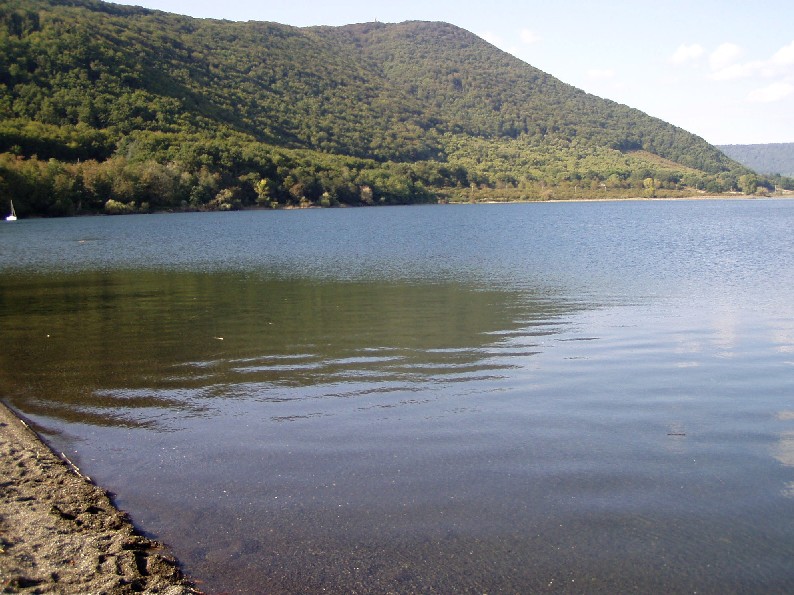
[
  {"x": 773, "y": 158},
  {"x": 121, "y": 108}
]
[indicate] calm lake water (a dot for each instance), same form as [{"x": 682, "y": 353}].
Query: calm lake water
[{"x": 569, "y": 397}]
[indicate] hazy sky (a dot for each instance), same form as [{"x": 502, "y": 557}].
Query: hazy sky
[{"x": 723, "y": 69}]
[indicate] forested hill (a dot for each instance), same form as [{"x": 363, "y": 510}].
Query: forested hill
[
  {"x": 773, "y": 158},
  {"x": 124, "y": 109},
  {"x": 459, "y": 83}
]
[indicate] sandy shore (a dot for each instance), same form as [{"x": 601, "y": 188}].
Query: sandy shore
[{"x": 59, "y": 533}]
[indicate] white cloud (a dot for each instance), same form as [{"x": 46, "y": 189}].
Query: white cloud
[
  {"x": 724, "y": 56},
  {"x": 687, "y": 53},
  {"x": 600, "y": 73},
  {"x": 771, "y": 93},
  {"x": 784, "y": 56},
  {"x": 529, "y": 37},
  {"x": 737, "y": 71},
  {"x": 726, "y": 67}
]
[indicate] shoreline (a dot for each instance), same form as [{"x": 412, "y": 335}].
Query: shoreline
[
  {"x": 785, "y": 194},
  {"x": 694, "y": 197},
  {"x": 61, "y": 533}
]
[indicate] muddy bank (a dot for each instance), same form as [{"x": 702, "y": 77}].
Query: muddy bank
[{"x": 59, "y": 533}]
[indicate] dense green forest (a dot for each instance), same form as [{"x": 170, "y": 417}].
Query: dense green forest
[
  {"x": 109, "y": 108},
  {"x": 770, "y": 159}
]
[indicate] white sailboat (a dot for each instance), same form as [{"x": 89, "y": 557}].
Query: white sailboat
[{"x": 13, "y": 215}]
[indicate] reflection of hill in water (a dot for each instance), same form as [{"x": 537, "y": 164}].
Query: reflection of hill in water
[{"x": 121, "y": 348}]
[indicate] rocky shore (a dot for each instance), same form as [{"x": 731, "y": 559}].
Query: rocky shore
[{"x": 60, "y": 533}]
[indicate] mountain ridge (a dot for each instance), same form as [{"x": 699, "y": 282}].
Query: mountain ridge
[{"x": 765, "y": 158}]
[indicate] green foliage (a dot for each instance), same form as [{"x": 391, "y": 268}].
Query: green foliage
[
  {"x": 114, "y": 207},
  {"x": 111, "y": 105}
]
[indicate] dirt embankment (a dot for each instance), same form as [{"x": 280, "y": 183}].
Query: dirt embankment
[{"x": 59, "y": 533}]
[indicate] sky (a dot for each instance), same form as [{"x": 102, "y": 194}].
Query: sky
[{"x": 723, "y": 69}]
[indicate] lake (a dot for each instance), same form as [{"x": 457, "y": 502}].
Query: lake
[{"x": 561, "y": 397}]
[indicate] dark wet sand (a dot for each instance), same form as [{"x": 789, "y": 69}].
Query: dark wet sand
[{"x": 60, "y": 533}]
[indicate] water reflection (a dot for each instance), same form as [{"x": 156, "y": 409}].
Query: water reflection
[
  {"x": 119, "y": 348},
  {"x": 784, "y": 451}
]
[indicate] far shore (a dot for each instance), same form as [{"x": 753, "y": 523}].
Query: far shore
[
  {"x": 704, "y": 196},
  {"x": 441, "y": 200}
]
